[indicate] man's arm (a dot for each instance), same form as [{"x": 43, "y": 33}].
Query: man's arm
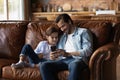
[
  {"x": 85, "y": 47},
  {"x": 66, "y": 54}
]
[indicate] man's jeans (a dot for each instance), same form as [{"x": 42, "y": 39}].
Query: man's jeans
[
  {"x": 33, "y": 57},
  {"x": 49, "y": 69}
]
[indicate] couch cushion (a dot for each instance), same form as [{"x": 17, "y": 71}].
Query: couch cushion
[
  {"x": 85, "y": 75},
  {"x": 12, "y": 38},
  {"x": 21, "y": 74},
  {"x": 4, "y": 62},
  {"x": 34, "y": 74}
]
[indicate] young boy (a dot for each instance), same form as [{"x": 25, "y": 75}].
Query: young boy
[{"x": 42, "y": 51}]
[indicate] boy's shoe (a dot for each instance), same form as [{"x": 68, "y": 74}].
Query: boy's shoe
[{"x": 20, "y": 65}]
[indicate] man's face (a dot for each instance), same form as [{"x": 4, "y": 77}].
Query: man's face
[{"x": 63, "y": 26}]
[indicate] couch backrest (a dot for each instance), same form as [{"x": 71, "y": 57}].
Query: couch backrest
[
  {"x": 12, "y": 38},
  {"x": 117, "y": 33},
  {"x": 101, "y": 30},
  {"x": 36, "y": 32}
]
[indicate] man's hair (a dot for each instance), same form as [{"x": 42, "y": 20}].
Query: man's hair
[
  {"x": 53, "y": 28},
  {"x": 65, "y": 17}
]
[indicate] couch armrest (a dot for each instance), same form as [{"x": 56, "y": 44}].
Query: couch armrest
[{"x": 100, "y": 55}]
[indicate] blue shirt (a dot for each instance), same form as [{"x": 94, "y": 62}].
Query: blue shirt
[{"x": 82, "y": 42}]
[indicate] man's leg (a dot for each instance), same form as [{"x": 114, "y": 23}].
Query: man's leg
[
  {"x": 49, "y": 69},
  {"x": 75, "y": 68}
]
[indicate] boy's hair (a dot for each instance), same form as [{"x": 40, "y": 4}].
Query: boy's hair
[
  {"x": 65, "y": 17},
  {"x": 53, "y": 28}
]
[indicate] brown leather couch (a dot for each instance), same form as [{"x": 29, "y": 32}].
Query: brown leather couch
[{"x": 103, "y": 65}]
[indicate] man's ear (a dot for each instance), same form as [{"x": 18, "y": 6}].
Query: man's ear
[
  {"x": 70, "y": 22},
  {"x": 46, "y": 36}
]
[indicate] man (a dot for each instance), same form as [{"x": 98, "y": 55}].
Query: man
[{"x": 74, "y": 48}]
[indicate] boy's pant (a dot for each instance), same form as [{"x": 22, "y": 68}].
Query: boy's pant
[{"x": 33, "y": 57}]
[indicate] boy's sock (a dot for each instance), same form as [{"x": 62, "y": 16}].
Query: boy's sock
[{"x": 18, "y": 65}]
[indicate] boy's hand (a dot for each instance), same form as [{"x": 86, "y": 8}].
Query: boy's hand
[{"x": 40, "y": 56}]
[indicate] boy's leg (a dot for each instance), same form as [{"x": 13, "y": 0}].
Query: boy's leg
[
  {"x": 23, "y": 58},
  {"x": 28, "y": 51}
]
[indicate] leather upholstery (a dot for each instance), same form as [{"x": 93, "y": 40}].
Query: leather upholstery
[
  {"x": 12, "y": 38},
  {"x": 106, "y": 49}
]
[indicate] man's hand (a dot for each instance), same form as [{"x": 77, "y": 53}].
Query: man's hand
[
  {"x": 54, "y": 55},
  {"x": 63, "y": 53},
  {"x": 60, "y": 52}
]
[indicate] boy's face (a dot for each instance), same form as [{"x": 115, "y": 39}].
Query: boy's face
[{"x": 53, "y": 38}]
